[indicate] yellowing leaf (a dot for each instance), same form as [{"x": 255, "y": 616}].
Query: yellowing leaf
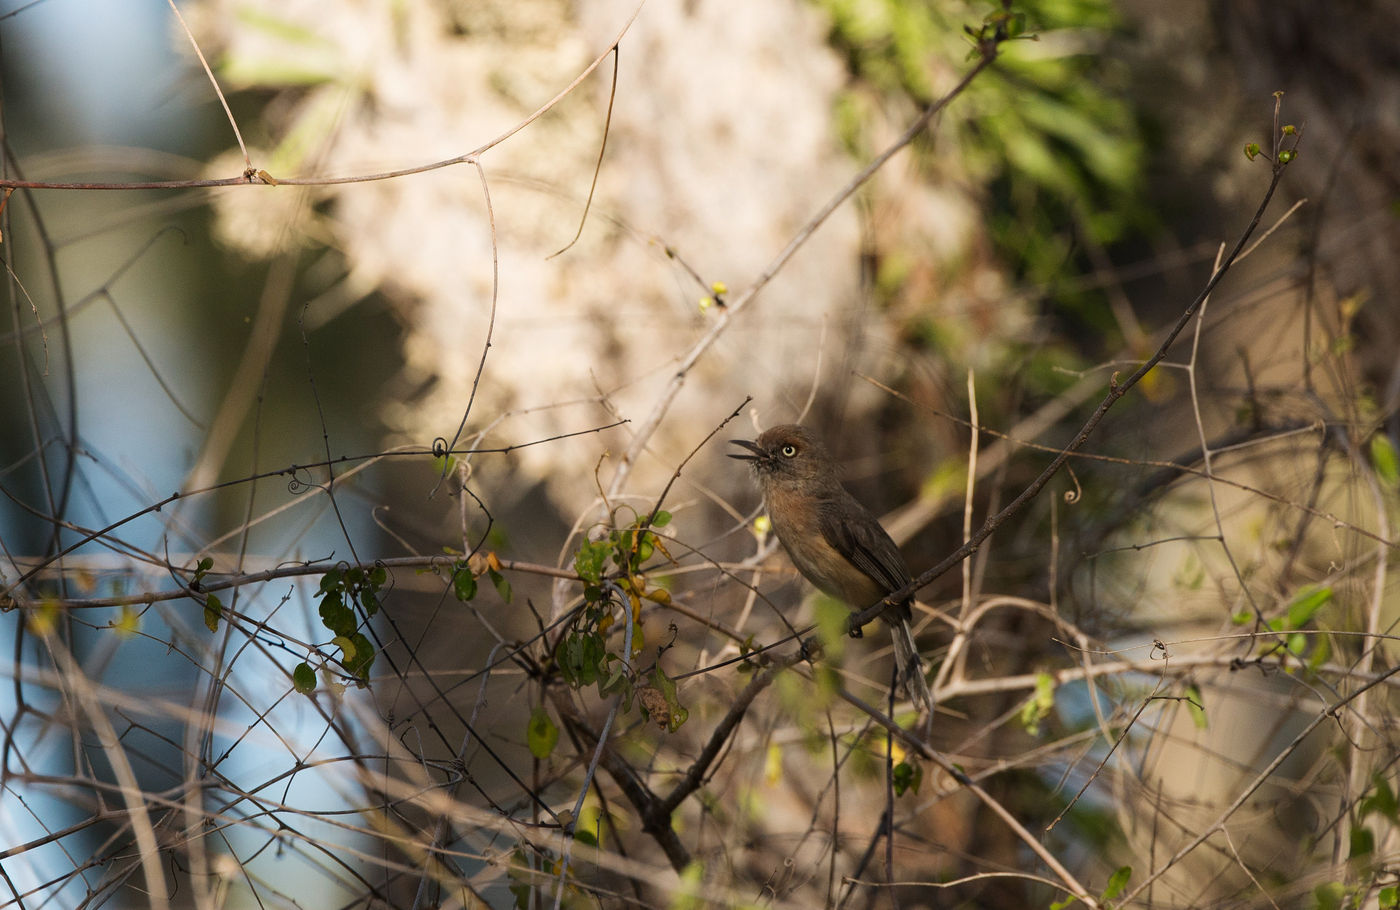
[
  {"x": 1385, "y": 460},
  {"x": 541, "y": 735},
  {"x": 44, "y": 618},
  {"x": 128, "y": 623},
  {"x": 346, "y": 646},
  {"x": 773, "y": 765},
  {"x": 213, "y": 609}
]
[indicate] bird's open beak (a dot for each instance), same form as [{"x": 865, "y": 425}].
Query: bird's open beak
[{"x": 752, "y": 446}]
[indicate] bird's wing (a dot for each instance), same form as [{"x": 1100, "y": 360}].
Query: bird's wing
[{"x": 859, "y": 537}]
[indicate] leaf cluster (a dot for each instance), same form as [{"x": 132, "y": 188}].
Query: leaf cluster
[
  {"x": 347, "y": 595},
  {"x": 611, "y": 569}
]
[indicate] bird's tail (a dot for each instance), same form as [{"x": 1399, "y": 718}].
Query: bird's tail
[{"x": 910, "y": 665}]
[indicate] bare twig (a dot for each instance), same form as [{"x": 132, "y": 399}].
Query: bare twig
[
  {"x": 204, "y": 64},
  {"x": 602, "y": 149}
]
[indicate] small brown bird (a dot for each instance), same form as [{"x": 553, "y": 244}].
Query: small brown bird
[{"x": 832, "y": 539}]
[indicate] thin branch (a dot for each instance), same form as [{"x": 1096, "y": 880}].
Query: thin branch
[
  {"x": 204, "y": 64},
  {"x": 490, "y": 322},
  {"x": 1116, "y": 392},
  {"x": 648, "y": 426},
  {"x": 695, "y": 775},
  {"x": 598, "y": 165}
]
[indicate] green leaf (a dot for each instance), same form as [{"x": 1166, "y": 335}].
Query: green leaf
[
  {"x": 201, "y": 569},
  {"x": 661, "y": 519},
  {"x": 463, "y": 583},
  {"x": 1385, "y": 460},
  {"x": 1305, "y": 604},
  {"x": 358, "y": 655},
  {"x": 335, "y": 615},
  {"x": 690, "y": 895},
  {"x": 1117, "y": 882},
  {"x": 213, "y": 609},
  {"x": 615, "y": 680},
  {"x": 304, "y": 678},
  {"x": 833, "y": 623},
  {"x": 1197, "y": 706},
  {"x": 589, "y": 560},
  {"x": 1330, "y": 896},
  {"x": 1363, "y": 842},
  {"x": 333, "y": 580},
  {"x": 1039, "y": 705},
  {"x": 502, "y": 586},
  {"x": 1389, "y": 897},
  {"x": 579, "y": 656},
  {"x": 1382, "y": 802},
  {"x": 1061, "y": 905},
  {"x": 907, "y": 777},
  {"x": 1322, "y": 650},
  {"x": 541, "y": 734}
]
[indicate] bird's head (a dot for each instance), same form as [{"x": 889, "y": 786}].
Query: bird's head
[{"x": 787, "y": 455}]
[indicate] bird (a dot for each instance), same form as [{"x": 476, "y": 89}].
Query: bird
[{"x": 833, "y": 540}]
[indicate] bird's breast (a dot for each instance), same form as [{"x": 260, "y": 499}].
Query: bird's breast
[{"x": 796, "y": 520}]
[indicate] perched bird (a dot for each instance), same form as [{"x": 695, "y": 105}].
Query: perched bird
[{"x": 832, "y": 539}]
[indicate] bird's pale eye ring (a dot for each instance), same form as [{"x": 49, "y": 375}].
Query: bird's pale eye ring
[{"x": 789, "y": 450}]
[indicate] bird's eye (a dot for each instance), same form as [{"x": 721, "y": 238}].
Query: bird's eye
[{"x": 789, "y": 450}]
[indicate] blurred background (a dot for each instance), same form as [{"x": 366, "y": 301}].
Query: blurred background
[{"x": 574, "y": 320}]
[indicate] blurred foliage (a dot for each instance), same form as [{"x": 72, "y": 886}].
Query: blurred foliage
[{"x": 1048, "y": 134}]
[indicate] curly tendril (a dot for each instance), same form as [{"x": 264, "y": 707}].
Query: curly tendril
[{"x": 301, "y": 480}]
